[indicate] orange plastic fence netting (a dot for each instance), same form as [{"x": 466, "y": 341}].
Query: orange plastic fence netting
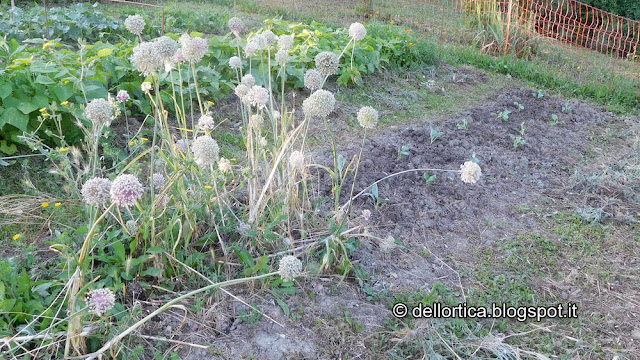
[{"x": 567, "y": 21}]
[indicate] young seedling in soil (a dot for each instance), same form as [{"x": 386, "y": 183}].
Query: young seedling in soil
[
  {"x": 429, "y": 178},
  {"x": 504, "y": 115},
  {"x": 435, "y": 135},
  {"x": 566, "y": 108},
  {"x": 403, "y": 151},
  {"x": 538, "y": 94},
  {"x": 464, "y": 125},
  {"x": 554, "y": 120},
  {"x": 518, "y": 105}
]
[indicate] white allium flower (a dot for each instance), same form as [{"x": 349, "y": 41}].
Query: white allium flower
[
  {"x": 258, "y": 96},
  {"x": 236, "y": 26},
  {"x": 262, "y": 141},
  {"x": 193, "y": 49},
  {"x": 248, "y": 80},
  {"x": 135, "y": 24},
  {"x": 250, "y": 49},
  {"x": 96, "y": 191},
  {"x": 387, "y": 244},
  {"x": 177, "y": 57},
  {"x": 166, "y": 46},
  {"x": 313, "y": 79},
  {"x": 235, "y": 62},
  {"x": 256, "y": 121},
  {"x": 296, "y": 160},
  {"x": 169, "y": 65},
  {"x": 327, "y": 63},
  {"x": 366, "y": 214},
  {"x": 122, "y": 96},
  {"x": 132, "y": 227},
  {"x": 146, "y": 58},
  {"x": 368, "y": 117},
  {"x": 158, "y": 181},
  {"x": 241, "y": 91},
  {"x": 206, "y": 122},
  {"x": 243, "y": 229},
  {"x": 320, "y": 103},
  {"x": 282, "y": 57},
  {"x": 182, "y": 145},
  {"x": 99, "y": 111},
  {"x": 470, "y": 172},
  {"x": 285, "y": 42},
  {"x": 224, "y": 165},
  {"x": 276, "y": 115},
  {"x": 146, "y": 87},
  {"x": 260, "y": 41},
  {"x": 126, "y": 189},
  {"x": 270, "y": 37},
  {"x": 357, "y": 31},
  {"x": 100, "y": 301},
  {"x": 205, "y": 150},
  {"x": 290, "y": 268}
]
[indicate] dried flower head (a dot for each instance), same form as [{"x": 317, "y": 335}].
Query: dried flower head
[
  {"x": 182, "y": 145},
  {"x": 320, "y": 103},
  {"x": 205, "y": 150},
  {"x": 236, "y": 26},
  {"x": 193, "y": 49},
  {"x": 235, "y": 62},
  {"x": 270, "y": 37},
  {"x": 243, "y": 229},
  {"x": 470, "y": 172},
  {"x": 146, "y": 87},
  {"x": 166, "y": 46},
  {"x": 282, "y": 57},
  {"x": 135, "y": 24},
  {"x": 262, "y": 141},
  {"x": 96, "y": 191},
  {"x": 100, "y": 301},
  {"x": 248, "y": 80},
  {"x": 366, "y": 214},
  {"x": 296, "y": 160},
  {"x": 122, "y": 96},
  {"x": 206, "y": 122},
  {"x": 224, "y": 165},
  {"x": 126, "y": 189},
  {"x": 260, "y": 41},
  {"x": 276, "y": 114},
  {"x": 99, "y": 111},
  {"x": 158, "y": 181},
  {"x": 285, "y": 42},
  {"x": 387, "y": 244},
  {"x": 256, "y": 121},
  {"x": 258, "y": 96},
  {"x": 313, "y": 79},
  {"x": 146, "y": 58},
  {"x": 241, "y": 91},
  {"x": 132, "y": 227},
  {"x": 327, "y": 63},
  {"x": 290, "y": 268},
  {"x": 368, "y": 117},
  {"x": 250, "y": 49},
  {"x": 357, "y": 31}
]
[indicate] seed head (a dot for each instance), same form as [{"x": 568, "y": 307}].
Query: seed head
[
  {"x": 126, "y": 189},
  {"x": 256, "y": 121},
  {"x": 248, "y": 80},
  {"x": 258, "y": 96},
  {"x": 235, "y": 62},
  {"x": 313, "y": 79},
  {"x": 236, "y": 26},
  {"x": 357, "y": 31},
  {"x": 146, "y": 58},
  {"x": 193, "y": 49},
  {"x": 285, "y": 42},
  {"x": 96, "y": 191},
  {"x": 368, "y": 117},
  {"x": 224, "y": 165},
  {"x": 146, "y": 87},
  {"x": 206, "y": 122},
  {"x": 99, "y": 111},
  {"x": 241, "y": 91},
  {"x": 100, "y": 301},
  {"x": 470, "y": 172},
  {"x": 327, "y": 63},
  {"x": 320, "y": 103},
  {"x": 290, "y": 268},
  {"x": 135, "y": 24},
  {"x": 122, "y": 96},
  {"x": 250, "y": 49},
  {"x": 205, "y": 150},
  {"x": 296, "y": 160},
  {"x": 182, "y": 145},
  {"x": 260, "y": 41},
  {"x": 166, "y": 46},
  {"x": 282, "y": 57},
  {"x": 387, "y": 244},
  {"x": 270, "y": 37}
]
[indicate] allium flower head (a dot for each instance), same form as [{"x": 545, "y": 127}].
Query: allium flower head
[
  {"x": 248, "y": 80},
  {"x": 260, "y": 41},
  {"x": 99, "y": 111},
  {"x": 177, "y": 57},
  {"x": 193, "y": 49},
  {"x": 320, "y": 103},
  {"x": 387, "y": 244},
  {"x": 224, "y": 165},
  {"x": 146, "y": 87},
  {"x": 135, "y": 24},
  {"x": 236, "y": 26},
  {"x": 158, "y": 181},
  {"x": 205, "y": 150},
  {"x": 276, "y": 114},
  {"x": 96, "y": 191},
  {"x": 146, "y": 58},
  {"x": 256, "y": 121},
  {"x": 282, "y": 57},
  {"x": 470, "y": 172},
  {"x": 296, "y": 160},
  {"x": 313, "y": 79},
  {"x": 263, "y": 141},
  {"x": 368, "y": 117},
  {"x": 285, "y": 42},
  {"x": 327, "y": 63},
  {"x": 241, "y": 91},
  {"x": 100, "y": 301},
  {"x": 250, "y": 49},
  {"x": 122, "y": 96},
  {"x": 357, "y": 31},
  {"x": 258, "y": 96},
  {"x": 206, "y": 122},
  {"x": 290, "y": 268},
  {"x": 235, "y": 62},
  {"x": 166, "y": 47},
  {"x": 243, "y": 228},
  {"x": 126, "y": 189},
  {"x": 270, "y": 37},
  {"x": 132, "y": 227},
  {"x": 366, "y": 214},
  {"x": 182, "y": 145}
]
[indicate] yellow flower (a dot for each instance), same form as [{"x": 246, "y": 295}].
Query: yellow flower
[
  {"x": 408, "y": 31},
  {"x": 578, "y": 67},
  {"x": 211, "y": 102},
  {"x": 233, "y": 159},
  {"x": 378, "y": 12},
  {"x": 58, "y": 204},
  {"x": 46, "y": 45},
  {"x": 130, "y": 143},
  {"x": 45, "y": 114},
  {"x": 16, "y": 237},
  {"x": 64, "y": 149},
  {"x": 410, "y": 44},
  {"x": 64, "y": 103},
  {"x": 208, "y": 187},
  {"x": 43, "y": 110},
  {"x": 144, "y": 139},
  {"x": 46, "y": 204}
]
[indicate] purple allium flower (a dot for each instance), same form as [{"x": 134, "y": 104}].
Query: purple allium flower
[
  {"x": 158, "y": 181},
  {"x": 101, "y": 301},
  {"x": 122, "y": 96},
  {"x": 182, "y": 145},
  {"x": 126, "y": 189},
  {"x": 96, "y": 191}
]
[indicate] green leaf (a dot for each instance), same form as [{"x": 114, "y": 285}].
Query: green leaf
[
  {"x": 44, "y": 80},
  {"x": 119, "y": 249},
  {"x": 5, "y": 90},
  {"x": 104, "y": 52},
  {"x": 152, "y": 272},
  {"x": 27, "y": 107},
  {"x": 14, "y": 117},
  {"x": 155, "y": 250},
  {"x": 283, "y": 306},
  {"x": 64, "y": 92},
  {"x": 196, "y": 34}
]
